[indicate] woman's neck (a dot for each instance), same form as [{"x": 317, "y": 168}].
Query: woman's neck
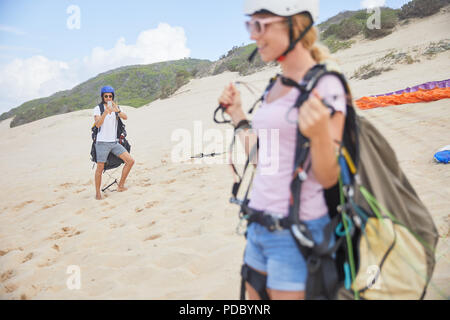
[{"x": 297, "y": 63}]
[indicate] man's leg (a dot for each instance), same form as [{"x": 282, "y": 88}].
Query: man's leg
[
  {"x": 98, "y": 180},
  {"x": 129, "y": 162}
]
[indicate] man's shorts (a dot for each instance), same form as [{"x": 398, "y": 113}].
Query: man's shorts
[{"x": 103, "y": 149}]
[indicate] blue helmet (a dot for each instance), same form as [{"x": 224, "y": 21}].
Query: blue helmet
[{"x": 107, "y": 89}]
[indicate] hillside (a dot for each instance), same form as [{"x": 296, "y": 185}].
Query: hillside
[
  {"x": 137, "y": 85},
  {"x": 173, "y": 234},
  {"x": 142, "y": 84}
]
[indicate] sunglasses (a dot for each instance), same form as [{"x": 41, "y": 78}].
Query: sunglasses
[
  {"x": 108, "y": 96},
  {"x": 257, "y": 26}
]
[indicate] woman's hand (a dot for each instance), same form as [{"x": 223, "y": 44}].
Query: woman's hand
[
  {"x": 314, "y": 117},
  {"x": 231, "y": 100}
]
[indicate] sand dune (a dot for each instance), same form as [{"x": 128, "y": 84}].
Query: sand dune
[{"x": 172, "y": 234}]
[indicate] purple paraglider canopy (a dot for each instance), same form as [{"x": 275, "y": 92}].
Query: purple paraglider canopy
[{"x": 425, "y": 86}]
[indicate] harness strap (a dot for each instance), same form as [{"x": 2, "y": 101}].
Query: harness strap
[
  {"x": 257, "y": 280},
  {"x": 266, "y": 220}
]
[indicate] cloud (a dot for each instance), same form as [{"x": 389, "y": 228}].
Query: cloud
[
  {"x": 161, "y": 44},
  {"x": 12, "y": 30},
  {"x": 21, "y": 49},
  {"x": 25, "y": 79},
  {"x": 35, "y": 77},
  {"x": 367, "y": 4}
]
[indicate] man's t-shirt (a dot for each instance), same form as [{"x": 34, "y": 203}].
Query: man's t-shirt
[{"x": 108, "y": 130}]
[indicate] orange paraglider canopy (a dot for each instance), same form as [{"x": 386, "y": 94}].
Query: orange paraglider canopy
[{"x": 430, "y": 91}]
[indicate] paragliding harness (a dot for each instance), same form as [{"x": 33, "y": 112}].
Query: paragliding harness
[
  {"x": 333, "y": 265},
  {"x": 112, "y": 161}
]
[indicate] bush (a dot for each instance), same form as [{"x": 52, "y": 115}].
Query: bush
[
  {"x": 345, "y": 30},
  {"x": 335, "y": 45},
  {"x": 421, "y": 8},
  {"x": 389, "y": 19}
]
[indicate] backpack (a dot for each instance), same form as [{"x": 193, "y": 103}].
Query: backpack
[
  {"x": 385, "y": 237},
  {"x": 113, "y": 161}
]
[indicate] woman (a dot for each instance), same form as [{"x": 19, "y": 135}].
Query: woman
[{"x": 283, "y": 32}]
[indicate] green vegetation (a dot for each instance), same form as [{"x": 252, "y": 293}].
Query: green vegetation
[
  {"x": 368, "y": 71},
  {"x": 421, "y": 8},
  {"x": 135, "y": 85},
  {"x": 236, "y": 60},
  {"x": 348, "y": 24},
  {"x": 140, "y": 85},
  {"x": 389, "y": 19},
  {"x": 437, "y": 47},
  {"x": 337, "y": 32},
  {"x": 334, "y": 44}
]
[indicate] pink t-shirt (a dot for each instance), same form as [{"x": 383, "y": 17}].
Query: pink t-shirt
[{"x": 277, "y": 139}]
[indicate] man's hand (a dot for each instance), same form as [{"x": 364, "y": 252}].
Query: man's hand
[
  {"x": 109, "y": 109},
  {"x": 115, "y": 107}
]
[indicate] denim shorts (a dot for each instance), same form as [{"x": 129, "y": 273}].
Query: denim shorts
[
  {"x": 103, "y": 149},
  {"x": 277, "y": 254}
]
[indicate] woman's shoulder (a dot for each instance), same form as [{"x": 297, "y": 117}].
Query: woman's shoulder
[{"x": 331, "y": 89}]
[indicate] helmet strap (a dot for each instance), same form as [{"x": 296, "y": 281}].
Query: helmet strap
[{"x": 292, "y": 44}]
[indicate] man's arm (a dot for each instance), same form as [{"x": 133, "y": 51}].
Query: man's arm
[
  {"x": 121, "y": 114},
  {"x": 100, "y": 119}
]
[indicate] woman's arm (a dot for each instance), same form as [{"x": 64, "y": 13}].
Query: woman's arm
[
  {"x": 316, "y": 124},
  {"x": 232, "y": 99}
]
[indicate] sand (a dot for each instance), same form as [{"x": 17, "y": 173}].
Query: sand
[{"x": 172, "y": 235}]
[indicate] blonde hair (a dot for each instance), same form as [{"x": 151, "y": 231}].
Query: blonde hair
[{"x": 319, "y": 52}]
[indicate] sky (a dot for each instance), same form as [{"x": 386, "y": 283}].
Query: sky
[{"x": 51, "y": 45}]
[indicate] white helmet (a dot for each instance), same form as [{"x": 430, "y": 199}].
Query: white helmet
[{"x": 283, "y": 8}]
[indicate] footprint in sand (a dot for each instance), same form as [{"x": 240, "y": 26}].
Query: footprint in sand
[
  {"x": 48, "y": 263},
  {"x": 10, "y": 288},
  {"x": 137, "y": 210},
  {"x": 3, "y": 252},
  {"x": 66, "y": 185},
  {"x": 186, "y": 211},
  {"x": 145, "y": 183},
  {"x": 148, "y": 225},
  {"x": 90, "y": 182},
  {"x": 115, "y": 225},
  {"x": 151, "y": 204},
  {"x": 66, "y": 232},
  {"x": 81, "y": 190},
  {"x": 23, "y": 204},
  {"x": 28, "y": 257},
  {"x": 56, "y": 247},
  {"x": 5, "y": 276},
  {"x": 48, "y": 206},
  {"x": 80, "y": 211},
  {"x": 169, "y": 181},
  {"x": 153, "y": 237}
]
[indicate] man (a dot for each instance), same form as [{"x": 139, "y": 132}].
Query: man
[{"x": 107, "y": 139}]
